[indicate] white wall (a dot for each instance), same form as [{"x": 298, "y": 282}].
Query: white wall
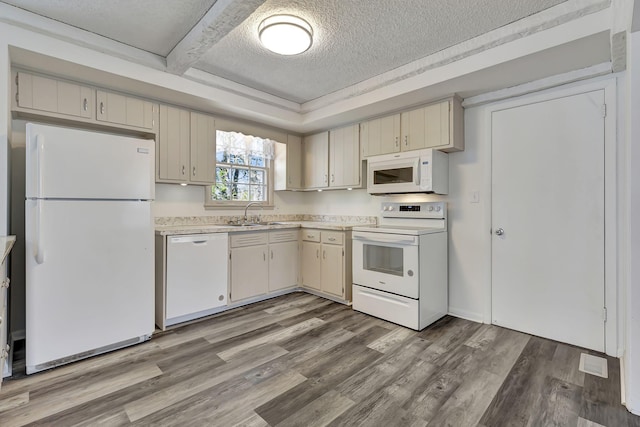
[
  {"x": 632, "y": 354},
  {"x": 4, "y": 137}
]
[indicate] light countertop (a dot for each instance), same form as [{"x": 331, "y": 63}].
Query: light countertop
[{"x": 168, "y": 230}]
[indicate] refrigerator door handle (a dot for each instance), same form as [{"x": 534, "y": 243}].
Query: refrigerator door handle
[
  {"x": 39, "y": 164},
  {"x": 37, "y": 241}
]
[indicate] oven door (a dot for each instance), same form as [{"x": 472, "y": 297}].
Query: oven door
[
  {"x": 394, "y": 176},
  {"x": 387, "y": 262}
]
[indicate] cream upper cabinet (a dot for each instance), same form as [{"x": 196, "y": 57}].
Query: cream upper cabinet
[
  {"x": 380, "y": 136},
  {"x": 59, "y": 97},
  {"x": 288, "y": 164},
  {"x": 125, "y": 110},
  {"x": 439, "y": 125},
  {"x": 173, "y": 155},
  {"x": 426, "y": 127},
  {"x": 203, "y": 149},
  {"x": 186, "y": 147},
  {"x": 345, "y": 166},
  {"x": 316, "y": 160}
]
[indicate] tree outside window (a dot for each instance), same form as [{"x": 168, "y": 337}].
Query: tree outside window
[{"x": 242, "y": 168}]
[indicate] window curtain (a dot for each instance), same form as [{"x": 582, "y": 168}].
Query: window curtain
[{"x": 240, "y": 144}]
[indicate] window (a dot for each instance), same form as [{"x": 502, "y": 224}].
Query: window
[{"x": 243, "y": 170}]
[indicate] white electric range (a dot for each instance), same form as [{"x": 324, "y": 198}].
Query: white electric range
[{"x": 400, "y": 270}]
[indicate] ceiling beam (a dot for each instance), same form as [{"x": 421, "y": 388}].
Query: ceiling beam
[{"x": 220, "y": 20}]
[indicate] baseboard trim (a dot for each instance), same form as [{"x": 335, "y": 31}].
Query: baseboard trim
[{"x": 467, "y": 315}]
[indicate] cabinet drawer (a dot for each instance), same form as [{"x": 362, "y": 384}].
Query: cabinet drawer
[
  {"x": 248, "y": 239},
  {"x": 283, "y": 236},
  {"x": 332, "y": 237},
  {"x": 311, "y": 235}
]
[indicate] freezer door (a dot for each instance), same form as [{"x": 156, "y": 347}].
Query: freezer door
[
  {"x": 89, "y": 276},
  {"x": 76, "y": 164}
]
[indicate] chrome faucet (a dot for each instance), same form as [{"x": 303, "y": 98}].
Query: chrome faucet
[{"x": 246, "y": 219}]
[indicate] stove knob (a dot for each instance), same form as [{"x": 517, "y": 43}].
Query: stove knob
[
  {"x": 430, "y": 208},
  {"x": 390, "y": 208},
  {"x": 437, "y": 208}
]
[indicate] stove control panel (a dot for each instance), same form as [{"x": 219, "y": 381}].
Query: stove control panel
[{"x": 436, "y": 210}]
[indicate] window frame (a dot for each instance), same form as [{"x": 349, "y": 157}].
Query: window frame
[{"x": 210, "y": 204}]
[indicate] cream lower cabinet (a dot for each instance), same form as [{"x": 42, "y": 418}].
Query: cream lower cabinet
[
  {"x": 263, "y": 262},
  {"x": 326, "y": 262},
  {"x": 311, "y": 265},
  {"x": 283, "y": 259},
  {"x": 6, "y": 243},
  {"x": 249, "y": 265}
]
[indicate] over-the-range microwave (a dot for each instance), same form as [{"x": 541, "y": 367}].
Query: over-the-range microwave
[{"x": 420, "y": 171}]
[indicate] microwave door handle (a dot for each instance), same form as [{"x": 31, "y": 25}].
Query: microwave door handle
[{"x": 417, "y": 174}]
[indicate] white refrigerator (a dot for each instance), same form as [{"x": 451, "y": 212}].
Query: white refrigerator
[{"x": 89, "y": 244}]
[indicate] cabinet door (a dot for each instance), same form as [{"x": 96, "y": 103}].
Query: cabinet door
[
  {"x": 283, "y": 265},
  {"x": 413, "y": 127},
  {"x": 381, "y": 136},
  {"x": 203, "y": 149},
  {"x": 294, "y": 162},
  {"x": 311, "y": 265},
  {"x": 316, "y": 160},
  {"x": 345, "y": 167},
  {"x": 55, "y": 96},
  {"x": 332, "y": 272},
  {"x": 173, "y": 144},
  {"x": 249, "y": 272},
  {"x": 437, "y": 124},
  {"x": 125, "y": 110}
]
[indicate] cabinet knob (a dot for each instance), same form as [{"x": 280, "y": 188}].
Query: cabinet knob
[
  {"x": 183, "y": 169},
  {"x": 194, "y": 171},
  {"x": 101, "y": 107}
]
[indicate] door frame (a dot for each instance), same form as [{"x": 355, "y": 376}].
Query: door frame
[{"x": 612, "y": 173}]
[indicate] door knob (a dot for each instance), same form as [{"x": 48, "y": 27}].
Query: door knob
[{"x": 499, "y": 232}]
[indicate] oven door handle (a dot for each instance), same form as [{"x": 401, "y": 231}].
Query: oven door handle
[{"x": 385, "y": 238}]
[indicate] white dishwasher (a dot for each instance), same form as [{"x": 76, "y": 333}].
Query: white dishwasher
[{"x": 196, "y": 273}]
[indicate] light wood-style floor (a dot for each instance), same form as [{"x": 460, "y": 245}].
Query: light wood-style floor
[{"x": 300, "y": 360}]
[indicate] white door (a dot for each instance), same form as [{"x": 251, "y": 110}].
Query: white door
[
  {"x": 548, "y": 219},
  {"x": 77, "y": 164},
  {"x": 89, "y": 276}
]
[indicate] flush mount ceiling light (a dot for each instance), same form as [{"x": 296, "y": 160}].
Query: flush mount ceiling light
[{"x": 285, "y": 34}]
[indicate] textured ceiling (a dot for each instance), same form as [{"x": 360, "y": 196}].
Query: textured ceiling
[
  {"x": 152, "y": 25},
  {"x": 354, "y": 40}
]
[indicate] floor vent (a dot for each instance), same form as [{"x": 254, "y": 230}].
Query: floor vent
[{"x": 593, "y": 365}]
